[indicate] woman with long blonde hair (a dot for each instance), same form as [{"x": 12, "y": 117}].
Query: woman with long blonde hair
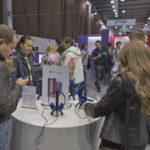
[{"x": 126, "y": 104}]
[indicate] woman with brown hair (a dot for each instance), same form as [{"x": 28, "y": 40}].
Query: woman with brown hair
[{"x": 126, "y": 104}]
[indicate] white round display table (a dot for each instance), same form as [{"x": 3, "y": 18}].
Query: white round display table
[{"x": 68, "y": 132}]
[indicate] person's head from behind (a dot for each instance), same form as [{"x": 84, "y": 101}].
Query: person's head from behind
[
  {"x": 98, "y": 44},
  {"x": 137, "y": 35},
  {"x": 67, "y": 42},
  {"x": 118, "y": 44},
  {"x": 84, "y": 46},
  {"x": 50, "y": 49},
  {"x": 8, "y": 41},
  {"x": 26, "y": 44},
  {"x": 135, "y": 61}
]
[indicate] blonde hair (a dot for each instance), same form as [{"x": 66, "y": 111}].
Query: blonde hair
[
  {"x": 51, "y": 49},
  {"x": 135, "y": 61}
]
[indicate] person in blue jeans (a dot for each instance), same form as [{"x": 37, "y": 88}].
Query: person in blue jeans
[
  {"x": 84, "y": 60},
  {"x": 9, "y": 96},
  {"x": 98, "y": 56}
]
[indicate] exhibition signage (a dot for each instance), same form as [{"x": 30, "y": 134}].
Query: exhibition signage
[
  {"x": 54, "y": 76},
  {"x": 29, "y": 97},
  {"x": 121, "y": 22}
]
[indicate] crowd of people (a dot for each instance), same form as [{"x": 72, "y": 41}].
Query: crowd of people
[{"x": 126, "y": 104}]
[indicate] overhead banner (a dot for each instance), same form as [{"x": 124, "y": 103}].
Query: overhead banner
[{"x": 121, "y": 22}]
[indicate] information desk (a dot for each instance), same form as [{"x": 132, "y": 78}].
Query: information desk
[{"x": 69, "y": 132}]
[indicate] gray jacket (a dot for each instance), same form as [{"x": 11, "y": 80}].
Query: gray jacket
[{"x": 9, "y": 96}]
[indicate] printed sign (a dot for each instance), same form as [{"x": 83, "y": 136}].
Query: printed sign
[
  {"x": 54, "y": 78},
  {"x": 29, "y": 97}
]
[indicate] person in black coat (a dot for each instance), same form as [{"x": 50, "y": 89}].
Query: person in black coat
[
  {"x": 126, "y": 104},
  {"x": 109, "y": 63}
]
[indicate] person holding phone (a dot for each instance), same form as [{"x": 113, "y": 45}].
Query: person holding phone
[{"x": 9, "y": 96}]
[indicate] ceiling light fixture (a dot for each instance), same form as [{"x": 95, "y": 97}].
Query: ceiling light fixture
[
  {"x": 88, "y": 3},
  {"x": 122, "y": 0},
  {"x": 116, "y": 27},
  {"x": 123, "y": 11},
  {"x": 95, "y": 13},
  {"x": 146, "y": 24},
  {"x": 148, "y": 18},
  {"x": 114, "y": 10},
  {"x": 112, "y": 2},
  {"x": 131, "y": 27}
]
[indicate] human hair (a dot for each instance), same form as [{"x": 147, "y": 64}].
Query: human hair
[
  {"x": 118, "y": 42},
  {"x": 98, "y": 42},
  {"x": 83, "y": 45},
  {"x": 6, "y": 33},
  {"x": 68, "y": 40},
  {"x": 135, "y": 61},
  {"x": 51, "y": 49},
  {"x": 137, "y": 34},
  {"x": 24, "y": 38}
]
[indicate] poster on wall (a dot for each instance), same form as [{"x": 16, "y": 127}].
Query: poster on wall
[
  {"x": 55, "y": 77},
  {"x": 91, "y": 43},
  {"x": 123, "y": 39}
]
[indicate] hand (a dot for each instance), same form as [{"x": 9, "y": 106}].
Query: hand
[
  {"x": 99, "y": 55},
  {"x": 86, "y": 54},
  {"x": 22, "y": 82},
  {"x": 83, "y": 105},
  {"x": 105, "y": 53}
]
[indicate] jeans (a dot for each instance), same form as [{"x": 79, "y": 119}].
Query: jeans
[
  {"x": 5, "y": 135},
  {"x": 84, "y": 71},
  {"x": 99, "y": 73}
]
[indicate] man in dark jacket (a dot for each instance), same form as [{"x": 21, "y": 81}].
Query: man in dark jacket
[
  {"x": 9, "y": 96},
  {"x": 98, "y": 55}
]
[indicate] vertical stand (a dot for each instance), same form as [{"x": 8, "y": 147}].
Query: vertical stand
[{"x": 57, "y": 105}]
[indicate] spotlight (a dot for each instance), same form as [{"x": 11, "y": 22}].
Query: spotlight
[
  {"x": 88, "y": 3},
  {"x": 123, "y": 11},
  {"x": 112, "y": 2},
  {"x": 131, "y": 27}
]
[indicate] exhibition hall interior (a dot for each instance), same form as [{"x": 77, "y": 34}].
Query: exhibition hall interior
[{"x": 74, "y": 74}]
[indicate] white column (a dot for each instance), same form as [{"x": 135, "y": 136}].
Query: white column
[{"x": 7, "y": 12}]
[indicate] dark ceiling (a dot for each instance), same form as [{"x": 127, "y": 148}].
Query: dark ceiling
[{"x": 139, "y": 9}]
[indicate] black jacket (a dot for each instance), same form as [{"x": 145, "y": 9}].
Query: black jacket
[
  {"x": 21, "y": 67},
  {"x": 113, "y": 106},
  {"x": 9, "y": 96}
]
